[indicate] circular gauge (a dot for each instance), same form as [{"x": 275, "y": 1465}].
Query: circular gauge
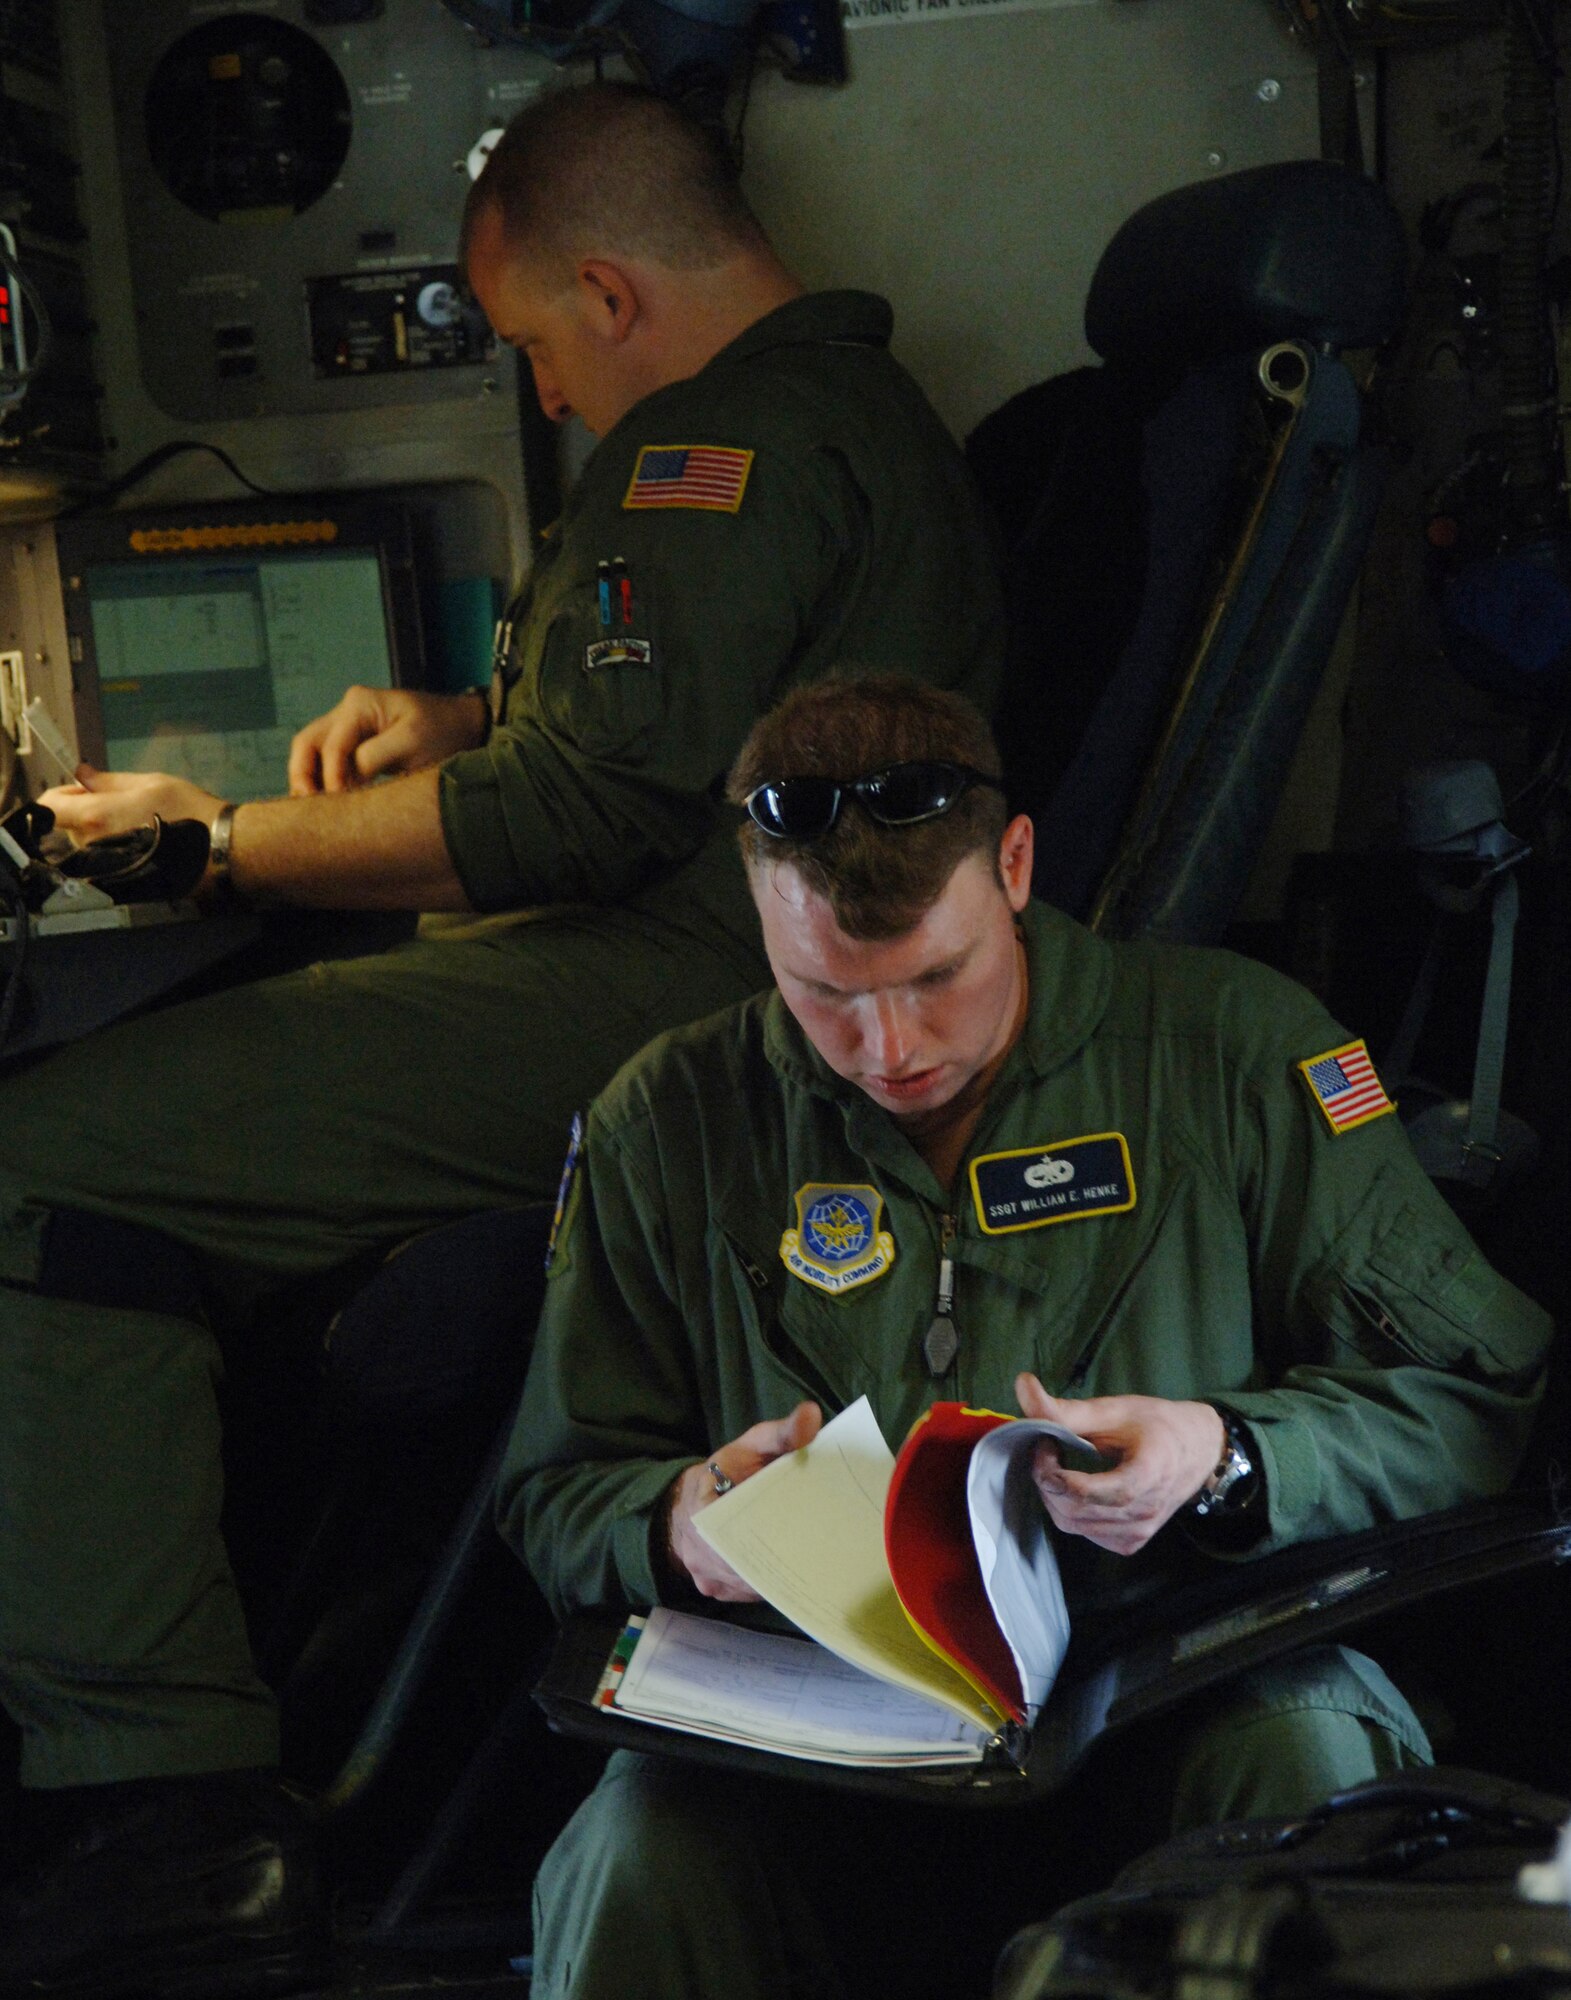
[
  {"x": 438, "y": 304},
  {"x": 245, "y": 114}
]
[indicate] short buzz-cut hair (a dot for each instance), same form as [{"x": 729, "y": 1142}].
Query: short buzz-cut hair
[
  {"x": 880, "y": 881},
  {"x": 612, "y": 170}
]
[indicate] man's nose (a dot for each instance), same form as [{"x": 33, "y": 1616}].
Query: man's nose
[
  {"x": 552, "y": 401},
  {"x": 887, "y": 1034}
]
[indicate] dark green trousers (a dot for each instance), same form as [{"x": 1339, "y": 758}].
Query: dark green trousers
[
  {"x": 277, "y": 1130},
  {"x": 672, "y": 1882}
]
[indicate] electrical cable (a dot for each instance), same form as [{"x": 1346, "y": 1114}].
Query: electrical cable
[{"x": 149, "y": 464}]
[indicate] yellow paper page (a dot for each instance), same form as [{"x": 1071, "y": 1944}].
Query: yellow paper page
[{"x": 808, "y": 1534}]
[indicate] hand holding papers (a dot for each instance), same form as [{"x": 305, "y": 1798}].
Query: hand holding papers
[
  {"x": 933, "y": 1574},
  {"x": 701, "y": 1485}
]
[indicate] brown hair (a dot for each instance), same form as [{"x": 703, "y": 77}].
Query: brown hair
[
  {"x": 880, "y": 881},
  {"x": 609, "y": 169}
]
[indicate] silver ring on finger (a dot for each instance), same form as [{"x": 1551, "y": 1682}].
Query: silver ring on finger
[{"x": 723, "y": 1480}]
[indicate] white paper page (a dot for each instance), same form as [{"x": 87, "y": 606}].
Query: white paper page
[
  {"x": 1019, "y": 1569},
  {"x": 807, "y": 1532},
  {"x": 783, "y": 1693}
]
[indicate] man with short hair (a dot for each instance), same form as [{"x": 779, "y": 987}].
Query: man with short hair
[
  {"x": 770, "y": 494},
  {"x": 1256, "y": 1302}
]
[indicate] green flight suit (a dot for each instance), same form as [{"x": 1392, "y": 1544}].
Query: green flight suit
[
  {"x": 279, "y": 1129},
  {"x": 1241, "y": 1250}
]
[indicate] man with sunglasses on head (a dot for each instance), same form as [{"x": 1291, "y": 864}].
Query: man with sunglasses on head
[
  {"x": 1120, "y": 1185},
  {"x": 769, "y": 493}
]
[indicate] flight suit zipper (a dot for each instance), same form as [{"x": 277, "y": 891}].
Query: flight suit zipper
[{"x": 942, "y": 1341}]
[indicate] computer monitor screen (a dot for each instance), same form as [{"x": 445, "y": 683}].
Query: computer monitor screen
[
  {"x": 206, "y": 670},
  {"x": 208, "y": 643}
]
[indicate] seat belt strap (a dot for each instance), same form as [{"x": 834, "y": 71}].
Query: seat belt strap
[{"x": 1483, "y": 1118}]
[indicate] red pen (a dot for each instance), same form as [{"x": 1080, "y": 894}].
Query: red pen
[{"x": 624, "y": 585}]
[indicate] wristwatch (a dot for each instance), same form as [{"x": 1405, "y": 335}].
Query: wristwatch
[{"x": 1235, "y": 1480}]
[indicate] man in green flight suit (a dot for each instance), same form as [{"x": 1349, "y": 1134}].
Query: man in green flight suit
[
  {"x": 770, "y": 495},
  {"x": 1153, "y": 1193}
]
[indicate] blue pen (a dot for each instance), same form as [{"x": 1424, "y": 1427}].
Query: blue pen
[{"x": 603, "y": 583}]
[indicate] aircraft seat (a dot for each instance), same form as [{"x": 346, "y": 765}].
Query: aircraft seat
[
  {"x": 1183, "y": 526},
  {"x": 423, "y": 1369}
]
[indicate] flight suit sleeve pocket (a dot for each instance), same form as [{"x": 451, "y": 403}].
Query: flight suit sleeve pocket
[
  {"x": 1422, "y": 1291},
  {"x": 601, "y": 685}
]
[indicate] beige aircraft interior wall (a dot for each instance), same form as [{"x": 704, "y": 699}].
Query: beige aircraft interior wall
[
  {"x": 972, "y": 169},
  {"x": 975, "y": 167}
]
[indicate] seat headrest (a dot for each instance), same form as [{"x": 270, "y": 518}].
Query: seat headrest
[{"x": 1302, "y": 249}]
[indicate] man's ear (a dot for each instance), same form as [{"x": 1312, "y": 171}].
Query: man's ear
[
  {"x": 1016, "y": 852},
  {"x": 610, "y": 299}
]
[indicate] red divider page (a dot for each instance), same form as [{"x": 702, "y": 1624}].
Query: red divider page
[{"x": 927, "y": 1540}]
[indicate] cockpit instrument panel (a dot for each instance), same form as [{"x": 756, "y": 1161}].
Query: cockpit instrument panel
[{"x": 292, "y": 182}]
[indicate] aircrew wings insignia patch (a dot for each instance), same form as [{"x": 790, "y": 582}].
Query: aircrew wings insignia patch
[
  {"x": 1343, "y": 1083},
  {"x": 710, "y": 477},
  {"x": 837, "y": 1243}
]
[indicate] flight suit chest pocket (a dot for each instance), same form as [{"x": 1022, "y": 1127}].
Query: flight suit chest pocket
[
  {"x": 1141, "y": 1300},
  {"x": 1100, "y": 1289},
  {"x": 824, "y": 1348}
]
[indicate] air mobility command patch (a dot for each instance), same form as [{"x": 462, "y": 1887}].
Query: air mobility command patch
[
  {"x": 1061, "y": 1182},
  {"x": 711, "y": 477},
  {"x": 837, "y": 1243},
  {"x": 1343, "y": 1083}
]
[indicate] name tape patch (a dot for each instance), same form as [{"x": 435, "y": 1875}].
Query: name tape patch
[
  {"x": 617, "y": 653},
  {"x": 1059, "y": 1182},
  {"x": 711, "y": 477},
  {"x": 837, "y": 1243},
  {"x": 1343, "y": 1083}
]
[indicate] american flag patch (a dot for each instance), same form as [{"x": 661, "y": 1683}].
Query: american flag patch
[
  {"x": 710, "y": 476},
  {"x": 1344, "y": 1085}
]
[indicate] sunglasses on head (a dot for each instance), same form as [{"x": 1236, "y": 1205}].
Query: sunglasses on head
[{"x": 898, "y": 795}]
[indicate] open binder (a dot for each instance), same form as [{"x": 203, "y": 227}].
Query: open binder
[{"x": 1130, "y": 1668}]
